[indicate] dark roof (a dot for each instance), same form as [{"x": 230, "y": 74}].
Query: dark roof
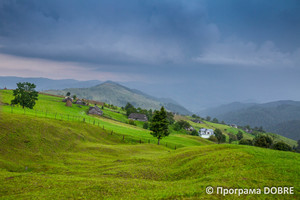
[
  {"x": 138, "y": 116},
  {"x": 95, "y": 110}
]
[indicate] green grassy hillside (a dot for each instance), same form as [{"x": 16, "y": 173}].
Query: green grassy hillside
[
  {"x": 46, "y": 158},
  {"x": 116, "y": 94},
  {"x": 52, "y": 159},
  {"x": 52, "y": 107}
]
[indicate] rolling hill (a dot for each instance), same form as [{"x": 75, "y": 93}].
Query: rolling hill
[
  {"x": 51, "y": 153},
  {"x": 281, "y": 117},
  {"x": 116, "y": 94}
]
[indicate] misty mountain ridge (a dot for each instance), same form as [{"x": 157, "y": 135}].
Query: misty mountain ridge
[
  {"x": 45, "y": 83},
  {"x": 281, "y": 117},
  {"x": 119, "y": 95}
]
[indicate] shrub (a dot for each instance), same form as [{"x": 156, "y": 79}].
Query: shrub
[
  {"x": 195, "y": 133},
  {"x": 219, "y": 135},
  {"x": 131, "y": 122},
  {"x": 213, "y": 138},
  {"x": 262, "y": 141},
  {"x": 282, "y": 146},
  {"x": 245, "y": 142},
  {"x": 232, "y": 137},
  {"x": 181, "y": 125},
  {"x": 146, "y": 125},
  {"x": 239, "y": 135}
]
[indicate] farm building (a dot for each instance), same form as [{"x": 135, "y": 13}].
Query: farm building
[
  {"x": 95, "y": 111},
  {"x": 138, "y": 117},
  {"x": 190, "y": 128},
  {"x": 205, "y": 133},
  {"x": 233, "y": 125},
  {"x": 197, "y": 121},
  {"x": 80, "y": 102}
]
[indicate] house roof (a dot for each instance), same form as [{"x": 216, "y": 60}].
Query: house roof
[{"x": 138, "y": 116}]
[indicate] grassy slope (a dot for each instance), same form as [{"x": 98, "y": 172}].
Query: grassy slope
[
  {"x": 52, "y": 159},
  {"x": 52, "y": 105},
  {"x": 42, "y": 158}
]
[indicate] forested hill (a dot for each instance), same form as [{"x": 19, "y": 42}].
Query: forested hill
[
  {"x": 116, "y": 94},
  {"x": 281, "y": 117}
]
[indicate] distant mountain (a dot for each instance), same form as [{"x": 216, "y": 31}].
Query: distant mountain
[
  {"x": 281, "y": 117},
  {"x": 117, "y": 94},
  {"x": 223, "y": 109},
  {"x": 45, "y": 83}
]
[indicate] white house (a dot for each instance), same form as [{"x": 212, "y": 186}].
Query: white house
[{"x": 205, "y": 133}]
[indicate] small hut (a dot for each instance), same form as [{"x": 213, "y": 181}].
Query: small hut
[
  {"x": 95, "y": 111},
  {"x": 80, "y": 102}
]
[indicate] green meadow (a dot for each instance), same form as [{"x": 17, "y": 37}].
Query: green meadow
[{"x": 59, "y": 152}]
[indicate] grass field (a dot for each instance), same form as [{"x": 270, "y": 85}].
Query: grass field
[{"x": 48, "y": 158}]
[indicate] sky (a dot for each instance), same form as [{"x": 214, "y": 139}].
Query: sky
[{"x": 201, "y": 53}]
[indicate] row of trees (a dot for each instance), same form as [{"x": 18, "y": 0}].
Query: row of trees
[{"x": 267, "y": 142}]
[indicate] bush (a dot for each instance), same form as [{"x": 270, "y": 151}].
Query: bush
[
  {"x": 181, "y": 125},
  {"x": 213, "y": 138},
  {"x": 195, "y": 133},
  {"x": 131, "y": 122},
  {"x": 245, "y": 142},
  {"x": 239, "y": 135},
  {"x": 146, "y": 125},
  {"x": 262, "y": 141},
  {"x": 220, "y": 136},
  {"x": 282, "y": 146},
  {"x": 232, "y": 137}
]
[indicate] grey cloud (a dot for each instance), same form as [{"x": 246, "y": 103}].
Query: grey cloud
[{"x": 106, "y": 32}]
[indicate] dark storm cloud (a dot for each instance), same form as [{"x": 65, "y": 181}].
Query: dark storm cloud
[
  {"x": 105, "y": 32},
  {"x": 199, "y": 52}
]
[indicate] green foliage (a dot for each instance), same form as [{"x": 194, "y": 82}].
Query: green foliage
[
  {"x": 262, "y": 141},
  {"x": 239, "y": 135},
  {"x": 170, "y": 118},
  {"x": 25, "y": 95},
  {"x": 159, "y": 124},
  {"x": 74, "y": 97},
  {"x": 130, "y": 109},
  {"x": 232, "y": 137},
  {"x": 146, "y": 125},
  {"x": 246, "y": 142},
  {"x": 68, "y": 94},
  {"x": 196, "y": 116},
  {"x": 282, "y": 146},
  {"x": 213, "y": 138},
  {"x": 220, "y": 136},
  {"x": 181, "y": 124},
  {"x": 195, "y": 133},
  {"x": 131, "y": 122},
  {"x": 177, "y": 127},
  {"x": 208, "y": 118},
  {"x": 215, "y": 120}
]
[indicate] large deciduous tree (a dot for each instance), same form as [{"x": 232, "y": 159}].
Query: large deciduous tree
[
  {"x": 159, "y": 124},
  {"x": 25, "y": 95}
]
